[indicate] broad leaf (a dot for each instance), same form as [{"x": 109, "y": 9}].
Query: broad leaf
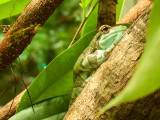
[
  {"x": 56, "y": 78},
  {"x": 54, "y": 108},
  {"x": 7, "y": 7},
  {"x": 147, "y": 76},
  {"x": 4, "y": 1},
  {"x": 119, "y": 9}
]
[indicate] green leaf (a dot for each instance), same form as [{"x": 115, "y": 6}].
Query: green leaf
[
  {"x": 146, "y": 78},
  {"x": 55, "y": 106},
  {"x": 4, "y": 1},
  {"x": 119, "y": 9},
  {"x": 91, "y": 23},
  {"x": 59, "y": 116},
  {"x": 84, "y": 3},
  {"x": 7, "y": 7},
  {"x": 56, "y": 79}
]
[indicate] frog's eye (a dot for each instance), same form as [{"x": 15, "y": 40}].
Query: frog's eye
[{"x": 105, "y": 28}]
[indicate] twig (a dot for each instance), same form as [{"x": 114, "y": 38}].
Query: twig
[
  {"x": 15, "y": 90},
  {"x": 4, "y": 91},
  {"x": 33, "y": 61},
  {"x": 25, "y": 84},
  {"x": 81, "y": 25},
  {"x": 12, "y": 9}
]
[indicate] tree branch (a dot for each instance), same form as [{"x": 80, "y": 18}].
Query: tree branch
[
  {"x": 23, "y": 30},
  {"x": 133, "y": 14},
  {"x": 106, "y": 13},
  {"x": 4, "y": 115},
  {"x": 111, "y": 77}
]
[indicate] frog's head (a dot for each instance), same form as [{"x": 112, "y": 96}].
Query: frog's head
[
  {"x": 106, "y": 29},
  {"x": 110, "y": 35}
]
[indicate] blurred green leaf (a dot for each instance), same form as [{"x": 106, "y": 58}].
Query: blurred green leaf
[
  {"x": 4, "y": 1},
  {"x": 7, "y": 7},
  {"x": 56, "y": 78},
  {"x": 146, "y": 78},
  {"x": 84, "y": 3},
  {"x": 55, "y": 106},
  {"x": 119, "y": 9}
]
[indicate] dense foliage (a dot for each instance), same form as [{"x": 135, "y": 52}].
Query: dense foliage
[{"x": 51, "y": 86}]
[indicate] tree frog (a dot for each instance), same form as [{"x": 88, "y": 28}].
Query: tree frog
[{"x": 93, "y": 56}]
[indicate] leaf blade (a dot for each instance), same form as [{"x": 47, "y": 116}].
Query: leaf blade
[
  {"x": 51, "y": 107},
  {"x": 4, "y": 1},
  {"x": 56, "y": 78}
]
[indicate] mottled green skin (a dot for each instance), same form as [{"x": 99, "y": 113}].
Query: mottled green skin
[{"x": 93, "y": 56}]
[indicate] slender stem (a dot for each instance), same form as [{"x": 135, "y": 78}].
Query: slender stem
[
  {"x": 25, "y": 84},
  {"x": 12, "y": 9},
  {"x": 15, "y": 90},
  {"x": 84, "y": 13},
  {"x": 81, "y": 25}
]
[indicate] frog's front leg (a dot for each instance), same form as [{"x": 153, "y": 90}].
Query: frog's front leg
[
  {"x": 94, "y": 60},
  {"x": 78, "y": 68}
]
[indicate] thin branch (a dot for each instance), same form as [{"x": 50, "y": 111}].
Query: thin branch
[
  {"x": 81, "y": 25},
  {"x": 12, "y": 9},
  {"x": 25, "y": 84},
  {"x": 15, "y": 89},
  {"x": 33, "y": 61}
]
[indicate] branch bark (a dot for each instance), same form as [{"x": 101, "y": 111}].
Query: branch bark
[
  {"x": 134, "y": 13},
  {"x": 4, "y": 112},
  {"x": 23, "y": 30},
  {"x": 106, "y": 13},
  {"x": 111, "y": 77}
]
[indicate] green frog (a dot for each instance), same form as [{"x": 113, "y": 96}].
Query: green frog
[{"x": 93, "y": 56}]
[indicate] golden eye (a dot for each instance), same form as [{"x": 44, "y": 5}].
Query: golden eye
[{"x": 105, "y": 28}]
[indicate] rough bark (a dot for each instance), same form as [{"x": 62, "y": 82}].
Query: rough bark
[
  {"x": 23, "y": 30},
  {"x": 106, "y": 13},
  {"x": 132, "y": 15},
  {"x": 111, "y": 78},
  {"x": 4, "y": 112}
]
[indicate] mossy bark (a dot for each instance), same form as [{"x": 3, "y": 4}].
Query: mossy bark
[{"x": 23, "y": 30}]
